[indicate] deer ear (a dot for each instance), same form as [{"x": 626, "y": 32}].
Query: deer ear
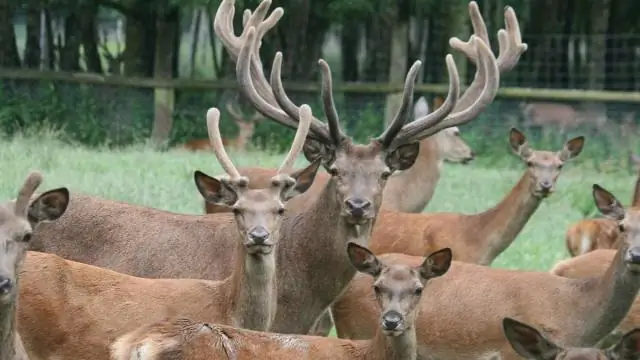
[
  {"x": 608, "y": 205},
  {"x": 363, "y": 259},
  {"x": 49, "y": 205},
  {"x": 403, "y": 157},
  {"x": 527, "y": 341},
  {"x": 314, "y": 150},
  {"x": 436, "y": 264},
  {"x": 215, "y": 191},
  {"x": 304, "y": 179},
  {"x": 572, "y": 148},
  {"x": 518, "y": 143},
  {"x": 628, "y": 348}
]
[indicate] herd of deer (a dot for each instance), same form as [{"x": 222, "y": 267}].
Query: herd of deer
[{"x": 287, "y": 253}]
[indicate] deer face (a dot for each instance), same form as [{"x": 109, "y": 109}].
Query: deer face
[
  {"x": 544, "y": 166},
  {"x": 16, "y": 226},
  {"x": 360, "y": 173},
  {"x": 452, "y": 147},
  {"x": 628, "y": 223},
  {"x": 398, "y": 288},
  {"x": 258, "y": 212},
  {"x": 530, "y": 344}
]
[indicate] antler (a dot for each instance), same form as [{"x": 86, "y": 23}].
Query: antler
[
  {"x": 213, "y": 122},
  {"x": 34, "y": 179},
  {"x": 298, "y": 140},
  {"x": 235, "y": 113}
]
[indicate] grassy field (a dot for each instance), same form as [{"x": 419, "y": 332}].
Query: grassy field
[{"x": 164, "y": 180}]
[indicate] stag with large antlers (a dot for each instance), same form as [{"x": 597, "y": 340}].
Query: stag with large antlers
[
  {"x": 18, "y": 218},
  {"x": 573, "y": 312},
  {"x": 94, "y": 305}
]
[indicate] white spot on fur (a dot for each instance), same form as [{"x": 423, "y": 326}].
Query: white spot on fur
[
  {"x": 585, "y": 244},
  {"x": 290, "y": 342}
]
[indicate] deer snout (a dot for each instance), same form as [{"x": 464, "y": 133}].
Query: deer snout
[
  {"x": 357, "y": 207},
  {"x": 632, "y": 257},
  {"x": 6, "y": 285},
  {"x": 391, "y": 321},
  {"x": 258, "y": 235}
]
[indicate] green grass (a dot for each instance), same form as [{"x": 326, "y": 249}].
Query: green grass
[{"x": 164, "y": 180}]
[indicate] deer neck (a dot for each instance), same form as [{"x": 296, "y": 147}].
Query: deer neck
[
  {"x": 244, "y": 137},
  {"x": 610, "y": 300},
  {"x": 8, "y": 331},
  {"x": 496, "y": 228},
  {"x": 255, "y": 292},
  {"x": 399, "y": 194},
  {"x": 402, "y": 347}
]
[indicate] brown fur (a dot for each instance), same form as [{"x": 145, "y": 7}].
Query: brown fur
[
  {"x": 17, "y": 220},
  {"x": 399, "y": 291},
  {"x": 591, "y": 234},
  {"x": 529, "y": 343},
  {"x": 463, "y": 320},
  {"x": 478, "y": 238}
]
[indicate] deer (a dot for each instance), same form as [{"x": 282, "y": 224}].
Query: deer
[
  {"x": 106, "y": 303},
  {"x": 421, "y": 178},
  {"x": 18, "y": 218},
  {"x": 529, "y": 343},
  {"x": 479, "y": 238},
  {"x": 314, "y": 232},
  {"x": 246, "y": 128},
  {"x": 591, "y": 234},
  {"x": 543, "y": 114},
  {"x": 464, "y": 320},
  {"x": 398, "y": 289}
]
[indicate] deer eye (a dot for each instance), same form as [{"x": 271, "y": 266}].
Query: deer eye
[
  {"x": 418, "y": 291},
  {"x": 236, "y": 211},
  {"x": 621, "y": 227},
  {"x": 280, "y": 211},
  {"x": 385, "y": 174},
  {"x": 529, "y": 163},
  {"x": 26, "y": 237},
  {"x": 333, "y": 171},
  {"x": 376, "y": 288}
]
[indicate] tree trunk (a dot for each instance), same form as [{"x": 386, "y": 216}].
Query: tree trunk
[
  {"x": 350, "y": 44},
  {"x": 89, "y": 35},
  {"x": 32, "y": 44},
  {"x": 399, "y": 19},
  {"x": 70, "y": 52},
  {"x": 165, "y": 64},
  {"x": 140, "y": 48},
  {"x": 598, "y": 48},
  {"x": 195, "y": 39},
  {"x": 9, "y": 56}
]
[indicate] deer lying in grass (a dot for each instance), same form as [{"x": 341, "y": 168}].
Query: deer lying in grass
[
  {"x": 529, "y": 343},
  {"x": 478, "y": 238},
  {"x": 421, "y": 178},
  {"x": 464, "y": 320},
  {"x": 246, "y": 128},
  {"x": 591, "y": 234},
  {"x": 17, "y": 219},
  {"x": 94, "y": 305},
  {"x": 398, "y": 290},
  {"x": 314, "y": 233}
]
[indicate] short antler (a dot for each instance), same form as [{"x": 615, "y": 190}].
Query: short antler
[
  {"x": 298, "y": 140},
  {"x": 32, "y": 182},
  {"x": 213, "y": 123}
]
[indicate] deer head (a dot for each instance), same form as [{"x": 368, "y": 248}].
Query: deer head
[
  {"x": 258, "y": 212},
  {"x": 359, "y": 171},
  {"x": 18, "y": 218},
  {"x": 531, "y": 344},
  {"x": 544, "y": 166},
  {"x": 398, "y": 288},
  {"x": 628, "y": 223}
]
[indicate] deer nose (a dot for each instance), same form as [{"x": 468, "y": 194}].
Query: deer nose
[
  {"x": 391, "y": 320},
  {"x": 259, "y": 235},
  {"x": 472, "y": 155},
  {"x": 633, "y": 256},
  {"x": 357, "y": 206},
  {"x": 5, "y": 285},
  {"x": 546, "y": 185}
]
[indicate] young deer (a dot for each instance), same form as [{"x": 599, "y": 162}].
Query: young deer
[
  {"x": 478, "y": 238},
  {"x": 17, "y": 219},
  {"x": 246, "y": 128},
  {"x": 94, "y": 305},
  {"x": 314, "y": 231},
  {"x": 464, "y": 320},
  {"x": 398, "y": 290},
  {"x": 591, "y": 234},
  {"x": 529, "y": 343},
  {"x": 406, "y": 191}
]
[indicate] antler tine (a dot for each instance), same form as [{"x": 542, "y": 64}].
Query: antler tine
[
  {"x": 411, "y": 130},
  {"x": 491, "y": 76},
  {"x": 213, "y": 123},
  {"x": 510, "y": 40},
  {"x": 31, "y": 183},
  {"x": 405, "y": 108},
  {"x": 233, "y": 112},
  {"x": 298, "y": 140},
  {"x": 331, "y": 134},
  {"x": 327, "y": 101}
]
